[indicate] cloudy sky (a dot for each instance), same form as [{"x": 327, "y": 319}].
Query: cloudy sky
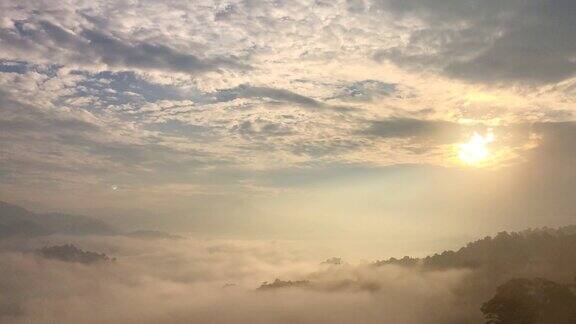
[{"x": 340, "y": 119}]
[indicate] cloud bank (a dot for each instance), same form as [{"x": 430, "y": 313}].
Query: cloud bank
[{"x": 195, "y": 281}]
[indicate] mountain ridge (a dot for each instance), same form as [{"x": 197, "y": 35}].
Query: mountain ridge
[{"x": 18, "y": 221}]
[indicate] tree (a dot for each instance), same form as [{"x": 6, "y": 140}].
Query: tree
[{"x": 531, "y": 301}]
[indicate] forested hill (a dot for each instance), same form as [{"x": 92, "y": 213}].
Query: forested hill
[{"x": 533, "y": 247}]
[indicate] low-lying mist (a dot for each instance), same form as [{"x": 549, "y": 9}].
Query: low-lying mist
[
  {"x": 185, "y": 280},
  {"x": 190, "y": 281}
]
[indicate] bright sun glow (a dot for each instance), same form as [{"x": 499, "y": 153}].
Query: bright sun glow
[{"x": 475, "y": 151}]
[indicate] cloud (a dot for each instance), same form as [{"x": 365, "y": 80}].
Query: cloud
[
  {"x": 49, "y": 143},
  {"x": 212, "y": 281},
  {"x": 35, "y": 39},
  {"x": 246, "y": 91},
  {"x": 199, "y": 280},
  {"x": 484, "y": 41},
  {"x": 528, "y": 42},
  {"x": 262, "y": 128},
  {"x": 409, "y": 128},
  {"x": 17, "y": 116},
  {"x": 366, "y": 91},
  {"x": 126, "y": 87},
  {"x": 7, "y": 66},
  {"x": 281, "y": 95},
  {"x": 146, "y": 55}
]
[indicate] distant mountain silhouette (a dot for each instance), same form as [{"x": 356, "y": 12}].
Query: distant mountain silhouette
[
  {"x": 17, "y": 221},
  {"x": 70, "y": 253}
]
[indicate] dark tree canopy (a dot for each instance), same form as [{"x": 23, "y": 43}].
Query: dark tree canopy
[
  {"x": 531, "y": 301},
  {"x": 504, "y": 252},
  {"x": 70, "y": 253}
]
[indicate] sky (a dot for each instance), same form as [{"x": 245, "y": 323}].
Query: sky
[{"x": 343, "y": 121}]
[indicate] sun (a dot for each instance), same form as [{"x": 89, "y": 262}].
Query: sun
[{"x": 475, "y": 151}]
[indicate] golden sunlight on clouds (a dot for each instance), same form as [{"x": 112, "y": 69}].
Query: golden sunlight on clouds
[
  {"x": 476, "y": 96},
  {"x": 476, "y": 151}
]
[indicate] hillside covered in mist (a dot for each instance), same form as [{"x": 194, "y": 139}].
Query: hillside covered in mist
[
  {"x": 504, "y": 252},
  {"x": 69, "y": 269},
  {"x": 506, "y": 276}
]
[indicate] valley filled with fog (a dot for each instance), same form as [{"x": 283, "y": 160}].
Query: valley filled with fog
[{"x": 66, "y": 276}]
